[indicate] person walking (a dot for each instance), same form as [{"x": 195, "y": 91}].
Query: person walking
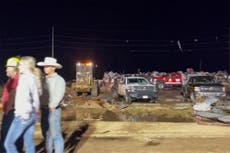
[
  {"x": 56, "y": 90},
  {"x": 8, "y": 99},
  {"x": 26, "y": 107}
]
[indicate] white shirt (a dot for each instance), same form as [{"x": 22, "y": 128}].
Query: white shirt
[{"x": 27, "y": 97}]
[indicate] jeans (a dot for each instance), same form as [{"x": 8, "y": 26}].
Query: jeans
[
  {"x": 6, "y": 122},
  {"x": 54, "y": 138},
  {"x": 20, "y": 127}
]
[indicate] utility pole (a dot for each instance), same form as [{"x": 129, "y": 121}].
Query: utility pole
[
  {"x": 228, "y": 50},
  {"x": 52, "y": 42},
  {"x": 200, "y": 64}
]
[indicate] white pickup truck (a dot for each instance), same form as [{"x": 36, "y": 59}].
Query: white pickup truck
[{"x": 134, "y": 88}]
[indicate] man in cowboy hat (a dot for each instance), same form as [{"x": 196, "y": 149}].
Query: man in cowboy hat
[
  {"x": 53, "y": 93},
  {"x": 8, "y": 100}
]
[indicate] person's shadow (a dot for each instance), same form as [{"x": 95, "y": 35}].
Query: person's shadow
[
  {"x": 75, "y": 137},
  {"x": 70, "y": 144}
]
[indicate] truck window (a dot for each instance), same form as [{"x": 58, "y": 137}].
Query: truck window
[{"x": 137, "y": 81}]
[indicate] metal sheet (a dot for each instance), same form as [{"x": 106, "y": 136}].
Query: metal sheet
[
  {"x": 225, "y": 118},
  {"x": 208, "y": 115}
]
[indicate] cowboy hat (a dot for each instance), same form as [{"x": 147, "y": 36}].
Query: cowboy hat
[{"x": 50, "y": 61}]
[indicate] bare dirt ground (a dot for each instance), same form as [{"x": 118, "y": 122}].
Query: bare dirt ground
[
  {"x": 158, "y": 137},
  {"x": 141, "y": 137}
]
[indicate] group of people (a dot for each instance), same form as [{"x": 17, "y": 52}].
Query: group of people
[{"x": 26, "y": 95}]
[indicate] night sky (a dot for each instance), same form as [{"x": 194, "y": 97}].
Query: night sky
[{"x": 119, "y": 36}]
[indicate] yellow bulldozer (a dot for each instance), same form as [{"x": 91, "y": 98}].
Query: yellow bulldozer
[{"x": 85, "y": 82}]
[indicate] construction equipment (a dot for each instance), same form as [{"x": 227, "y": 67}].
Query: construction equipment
[{"x": 85, "y": 82}]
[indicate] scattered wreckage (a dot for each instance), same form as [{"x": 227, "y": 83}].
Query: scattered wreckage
[{"x": 212, "y": 112}]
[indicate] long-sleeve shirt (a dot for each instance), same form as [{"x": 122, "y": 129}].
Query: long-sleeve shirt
[
  {"x": 56, "y": 89},
  {"x": 27, "y": 96},
  {"x": 9, "y": 92}
]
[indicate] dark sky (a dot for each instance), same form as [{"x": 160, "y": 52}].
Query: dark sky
[{"x": 119, "y": 36}]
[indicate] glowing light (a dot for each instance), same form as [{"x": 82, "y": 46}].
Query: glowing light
[{"x": 89, "y": 64}]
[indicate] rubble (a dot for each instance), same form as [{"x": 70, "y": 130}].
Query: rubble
[
  {"x": 206, "y": 105},
  {"x": 210, "y": 114}
]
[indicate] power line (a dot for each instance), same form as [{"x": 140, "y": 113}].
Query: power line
[
  {"x": 198, "y": 43},
  {"x": 134, "y": 40},
  {"x": 117, "y": 44},
  {"x": 21, "y": 43},
  {"x": 23, "y": 48},
  {"x": 22, "y": 38}
]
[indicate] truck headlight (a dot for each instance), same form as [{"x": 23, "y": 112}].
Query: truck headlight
[
  {"x": 130, "y": 89},
  {"x": 197, "y": 89}
]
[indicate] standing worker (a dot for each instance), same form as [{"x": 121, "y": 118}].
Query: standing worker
[
  {"x": 26, "y": 107},
  {"x": 56, "y": 90},
  {"x": 8, "y": 99}
]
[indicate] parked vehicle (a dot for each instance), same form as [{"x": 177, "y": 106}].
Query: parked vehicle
[
  {"x": 134, "y": 88},
  {"x": 170, "y": 79},
  {"x": 199, "y": 87}
]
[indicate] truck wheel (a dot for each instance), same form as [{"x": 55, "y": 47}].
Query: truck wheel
[
  {"x": 193, "y": 98},
  {"x": 153, "y": 100},
  {"x": 73, "y": 90},
  {"x": 94, "y": 92},
  {"x": 185, "y": 96},
  {"x": 95, "y": 89},
  {"x": 161, "y": 85},
  {"x": 185, "y": 99},
  {"x": 78, "y": 93},
  {"x": 74, "y": 93},
  {"x": 128, "y": 100},
  {"x": 115, "y": 94}
]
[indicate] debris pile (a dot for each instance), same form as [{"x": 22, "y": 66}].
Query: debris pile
[{"x": 212, "y": 111}]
